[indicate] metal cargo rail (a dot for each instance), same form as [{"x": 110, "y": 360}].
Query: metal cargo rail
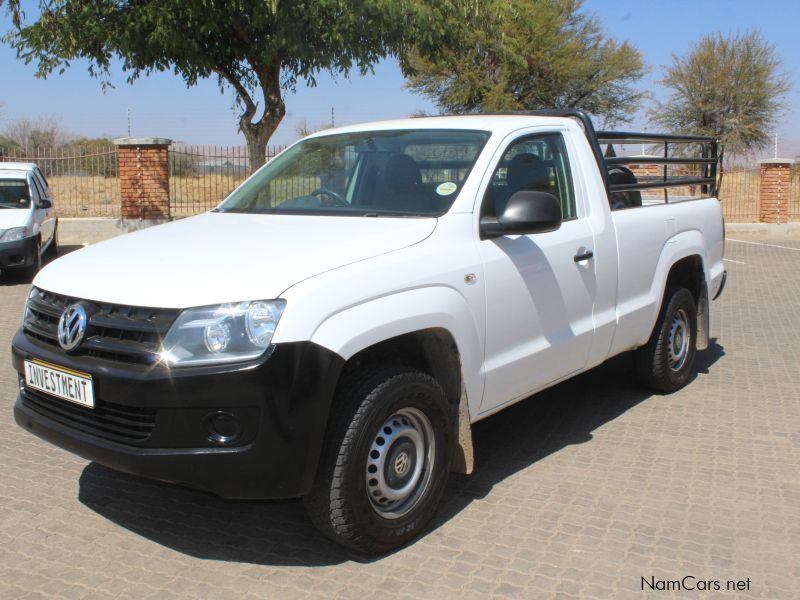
[{"x": 671, "y": 149}]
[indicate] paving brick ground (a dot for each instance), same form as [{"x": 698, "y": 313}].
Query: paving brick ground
[{"x": 579, "y": 492}]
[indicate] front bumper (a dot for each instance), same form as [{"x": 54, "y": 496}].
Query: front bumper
[
  {"x": 154, "y": 422},
  {"x": 17, "y": 254}
]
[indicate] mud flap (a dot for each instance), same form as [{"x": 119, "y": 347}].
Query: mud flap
[
  {"x": 463, "y": 459},
  {"x": 703, "y": 320}
]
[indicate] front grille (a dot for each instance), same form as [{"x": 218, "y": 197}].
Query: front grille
[
  {"x": 123, "y": 424},
  {"x": 116, "y": 332}
]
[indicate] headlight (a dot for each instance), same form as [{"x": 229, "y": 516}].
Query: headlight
[
  {"x": 14, "y": 234},
  {"x": 27, "y": 315},
  {"x": 220, "y": 334}
]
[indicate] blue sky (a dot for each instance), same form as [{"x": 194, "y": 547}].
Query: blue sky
[{"x": 162, "y": 106}]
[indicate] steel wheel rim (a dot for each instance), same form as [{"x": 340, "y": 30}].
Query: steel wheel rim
[
  {"x": 679, "y": 340},
  {"x": 400, "y": 463}
]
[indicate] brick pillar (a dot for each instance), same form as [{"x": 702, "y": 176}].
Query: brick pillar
[
  {"x": 775, "y": 185},
  {"x": 144, "y": 177}
]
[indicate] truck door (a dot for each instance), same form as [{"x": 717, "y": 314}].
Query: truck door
[{"x": 539, "y": 287}]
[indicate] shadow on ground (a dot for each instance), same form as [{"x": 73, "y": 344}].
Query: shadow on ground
[{"x": 279, "y": 533}]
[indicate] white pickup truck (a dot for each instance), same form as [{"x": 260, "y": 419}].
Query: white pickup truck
[{"x": 334, "y": 327}]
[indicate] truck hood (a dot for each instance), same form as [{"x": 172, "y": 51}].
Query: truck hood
[
  {"x": 223, "y": 257},
  {"x": 14, "y": 217}
]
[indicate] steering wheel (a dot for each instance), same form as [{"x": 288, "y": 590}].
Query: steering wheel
[{"x": 338, "y": 200}]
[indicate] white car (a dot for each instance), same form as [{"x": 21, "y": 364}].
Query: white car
[
  {"x": 334, "y": 328},
  {"x": 28, "y": 223}
]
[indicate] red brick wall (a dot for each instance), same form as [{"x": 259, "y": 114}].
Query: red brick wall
[
  {"x": 774, "y": 189},
  {"x": 144, "y": 181}
]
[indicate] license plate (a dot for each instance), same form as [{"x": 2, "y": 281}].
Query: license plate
[{"x": 60, "y": 382}]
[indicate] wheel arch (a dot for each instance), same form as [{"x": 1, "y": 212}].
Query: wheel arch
[
  {"x": 433, "y": 351},
  {"x": 431, "y": 329},
  {"x": 682, "y": 263},
  {"x": 432, "y": 318}
]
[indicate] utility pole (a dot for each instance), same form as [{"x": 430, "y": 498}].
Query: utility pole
[
  {"x": 776, "y": 144},
  {"x": 129, "y": 122},
  {"x": 333, "y": 121}
]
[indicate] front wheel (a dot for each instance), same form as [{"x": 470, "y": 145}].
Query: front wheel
[
  {"x": 36, "y": 265},
  {"x": 385, "y": 460},
  {"x": 666, "y": 362}
]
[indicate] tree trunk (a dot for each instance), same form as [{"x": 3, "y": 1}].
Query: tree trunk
[
  {"x": 256, "y": 147},
  {"x": 257, "y": 134},
  {"x": 721, "y": 170}
]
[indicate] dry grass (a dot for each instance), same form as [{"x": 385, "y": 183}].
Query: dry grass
[
  {"x": 194, "y": 194},
  {"x": 89, "y": 196},
  {"x": 85, "y": 196},
  {"x": 739, "y": 196}
]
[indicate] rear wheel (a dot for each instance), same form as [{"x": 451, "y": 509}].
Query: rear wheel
[
  {"x": 385, "y": 461},
  {"x": 666, "y": 362}
]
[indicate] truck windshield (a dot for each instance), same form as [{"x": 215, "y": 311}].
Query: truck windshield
[
  {"x": 14, "y": 193},
  {"x": 374, "y": 173}
]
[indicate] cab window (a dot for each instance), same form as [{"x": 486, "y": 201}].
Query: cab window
[
  {"x": 14, "y": 193},
  {"x": 535, "y": 163}
]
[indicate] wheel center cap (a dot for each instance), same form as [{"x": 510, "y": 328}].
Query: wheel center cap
[{"x": 401, "y": 463}]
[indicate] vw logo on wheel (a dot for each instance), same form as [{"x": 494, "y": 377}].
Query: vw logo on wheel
[
  {"x": 401, "y": 464},
  {"x": 72, "y": 327}
]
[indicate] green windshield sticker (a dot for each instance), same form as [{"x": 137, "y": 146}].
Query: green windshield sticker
[{"x": 446, "y": 188}]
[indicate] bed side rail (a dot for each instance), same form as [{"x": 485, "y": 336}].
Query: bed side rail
[{"x": 685, "y": 161}]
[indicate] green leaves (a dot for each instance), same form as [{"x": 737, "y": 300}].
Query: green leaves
[
  {"x": 531, "y": 54},
  {"x": 730, "y": 88},
  {"x": 261, "y": 49}
]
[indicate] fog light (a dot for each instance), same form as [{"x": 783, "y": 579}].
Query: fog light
[{"x": 223, "y": 428}]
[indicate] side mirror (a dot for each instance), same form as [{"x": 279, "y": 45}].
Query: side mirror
[
  {"x": 526, "y": 212},
  {"x": 44, "y": 204}
]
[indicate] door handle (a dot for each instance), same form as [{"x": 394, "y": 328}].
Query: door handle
[{"x": 583, "y": 256}]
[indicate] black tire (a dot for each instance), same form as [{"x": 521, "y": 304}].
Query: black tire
[
  {"x": 666, "y": 362},
  {"x": 339, "y": 503},
  {"x": 30, "y": 272}
]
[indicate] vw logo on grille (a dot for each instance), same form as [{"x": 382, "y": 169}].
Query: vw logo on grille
[{"x": 72, "y": 327}]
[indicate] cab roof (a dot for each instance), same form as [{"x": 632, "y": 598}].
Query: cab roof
[
  {"x": 17, "y": 166},
  {"x": 499, "y": 123},
  {"x": 14, "y": 174}
]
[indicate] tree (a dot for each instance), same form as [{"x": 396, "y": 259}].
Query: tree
[
  {"x": 32, "y": 135},
  {"x": 729, "y": 88},
  {"x": 533, "y": 54},
  {"x": 260, "y": 49},
  {"x": 7, "y": 146},
  {"x": 303, "y": 129}
]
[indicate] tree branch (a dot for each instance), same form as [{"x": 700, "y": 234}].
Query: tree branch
[{"x": 250, "y": 106}]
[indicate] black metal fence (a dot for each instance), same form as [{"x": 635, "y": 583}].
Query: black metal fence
[
  {"x": 739, "y": 195},
  {"x": 200, "y": 177},
  {"x": 794, "y": 196},
  {"x": 83, "y": 181}
]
